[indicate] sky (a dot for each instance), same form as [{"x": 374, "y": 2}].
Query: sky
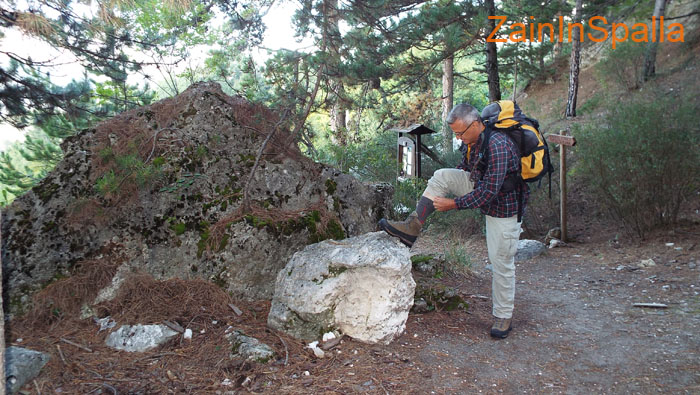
[{"x": 279, "y": 34}]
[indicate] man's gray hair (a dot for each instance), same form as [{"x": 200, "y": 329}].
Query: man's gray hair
[{"x": 467, "y": 113}]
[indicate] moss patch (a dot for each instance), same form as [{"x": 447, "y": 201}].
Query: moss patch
[
  {"x": 416, "y": 259},
  {"x": 441, "y": 298},
  {"x": 331, "y": 186}
]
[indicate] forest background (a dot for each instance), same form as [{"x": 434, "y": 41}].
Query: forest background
[{"x": 361, "y": 68}]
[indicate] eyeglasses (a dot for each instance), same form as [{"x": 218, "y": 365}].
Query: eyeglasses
[{"x": 465, "y": 130}]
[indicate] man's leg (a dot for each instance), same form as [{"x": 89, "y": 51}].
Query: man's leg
[
  {"x": 502, "y": 236},
  {"x": 443, "y": 183}
]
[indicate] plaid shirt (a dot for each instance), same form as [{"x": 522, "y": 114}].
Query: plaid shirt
[{"x": 503, "y": 159}]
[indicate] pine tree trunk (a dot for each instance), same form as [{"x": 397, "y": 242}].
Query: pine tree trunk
[
  {"x": 337, "y": 95},
  {"x": 653, "y": 45},
  {"x": 558, "y": 43},
  {"x": 575, "y": 63},
  {"x": 492, "y": 57},
  {"x": 447, "y": 101},
  {"x": 338, "y": 115}
]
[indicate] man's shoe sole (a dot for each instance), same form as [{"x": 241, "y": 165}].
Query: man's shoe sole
[{"x": 407, "y": 240}]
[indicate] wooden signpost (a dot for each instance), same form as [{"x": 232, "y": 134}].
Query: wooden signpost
[{"x": 564, "y": 141}]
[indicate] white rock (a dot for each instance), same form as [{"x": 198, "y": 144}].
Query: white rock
[
  {"x": 139, "y": 338},
  {"x": 318, "y": 352},
  {"x": 361, "y": 286},
  {"x": 105, "y": 323},
  {"x": 110, "y": 292},
  {"x": 328, "y": 336},
  {"x": 188, "y": 333},
  {"x": 554, "y": 243},
  {"x": 647, "y": 263}
]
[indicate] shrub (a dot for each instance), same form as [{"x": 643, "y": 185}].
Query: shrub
[
  {"x": 622, "y": 65},
  {"x": 643, "y": 161}
]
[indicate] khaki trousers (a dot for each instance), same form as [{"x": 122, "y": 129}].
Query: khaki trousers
[{"x": 502, "y": 236}]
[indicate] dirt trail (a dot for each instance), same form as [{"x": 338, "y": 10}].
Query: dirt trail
[{"x": 575, "y": 327}]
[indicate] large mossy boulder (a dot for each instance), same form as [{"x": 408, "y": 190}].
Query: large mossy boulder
[{"x": 161, "y": 189}]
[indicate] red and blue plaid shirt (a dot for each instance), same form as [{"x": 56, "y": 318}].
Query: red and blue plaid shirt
[{"x": 503, "y": 159}]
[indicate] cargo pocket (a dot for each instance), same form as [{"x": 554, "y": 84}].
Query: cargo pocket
[{"x": 509, "y": 244}]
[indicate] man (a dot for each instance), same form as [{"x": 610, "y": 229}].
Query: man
[{"x": 478, "y": 184}]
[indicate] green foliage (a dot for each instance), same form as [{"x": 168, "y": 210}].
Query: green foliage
[
  {"x": 457, "y": 259},
  {"x": 108, "y": 183},
  {"x": 459, "y": 224},
  {"x": 126, "y": 169},
  {"x": 416, "y": 259},
  {"x": 622, "y": 66},
  {"x": 643, "y": 161},
  {"x": 592, "y": 104}
]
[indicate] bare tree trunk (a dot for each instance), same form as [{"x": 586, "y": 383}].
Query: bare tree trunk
[
  {"x": 575, "y": 63},
  {"x": 447, "y": 101},
  {"x": 339, "y": 104},
  {"x": 653, "y": 45},
  {"x": 338, "y": 114},
  {"x": 558, "y": 43},
  {"x": 492, "y": 57}
]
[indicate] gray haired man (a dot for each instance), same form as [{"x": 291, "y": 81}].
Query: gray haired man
[{"x": 477, "y": 184}]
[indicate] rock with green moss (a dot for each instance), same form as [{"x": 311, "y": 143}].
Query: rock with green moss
[
  {"x": 248, "y": 348},
  {"x": 166, "y": 208},
  {"x": 439, "y": 297}
]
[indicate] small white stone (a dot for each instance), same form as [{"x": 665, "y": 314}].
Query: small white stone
[
  {"x": 306, "y": 373},
  {"x": 188, "y": 333},
  {"x": 328, "y": 336},
  {"x": 226, "y": 382},
  {"x": 20, "y": 340}
]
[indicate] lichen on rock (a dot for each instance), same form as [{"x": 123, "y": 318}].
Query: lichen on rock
[{"x": 166, "y": 182}]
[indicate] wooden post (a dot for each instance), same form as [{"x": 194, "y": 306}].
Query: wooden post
[
  {"x": 564, "y": 141},
  {"x": 417, "y": 156}
]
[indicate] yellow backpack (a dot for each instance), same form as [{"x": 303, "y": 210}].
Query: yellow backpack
[{"x": 505, "y": 116}]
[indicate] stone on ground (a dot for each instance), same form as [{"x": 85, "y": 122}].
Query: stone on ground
[
  {"x": 139, "y": 338},
  {"x": 21, "y": 366},
  {"x": 361, "y": 286},
  {"x": 528, "y": 249},
  {"x": 249, "y": 348}
]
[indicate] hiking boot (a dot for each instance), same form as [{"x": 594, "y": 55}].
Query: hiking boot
[
  {"x": 407, "y": 231},
  {"x": 501, "y": 328}
]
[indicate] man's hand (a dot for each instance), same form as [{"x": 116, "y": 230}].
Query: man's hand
[{"x": 444, "y": 204}]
